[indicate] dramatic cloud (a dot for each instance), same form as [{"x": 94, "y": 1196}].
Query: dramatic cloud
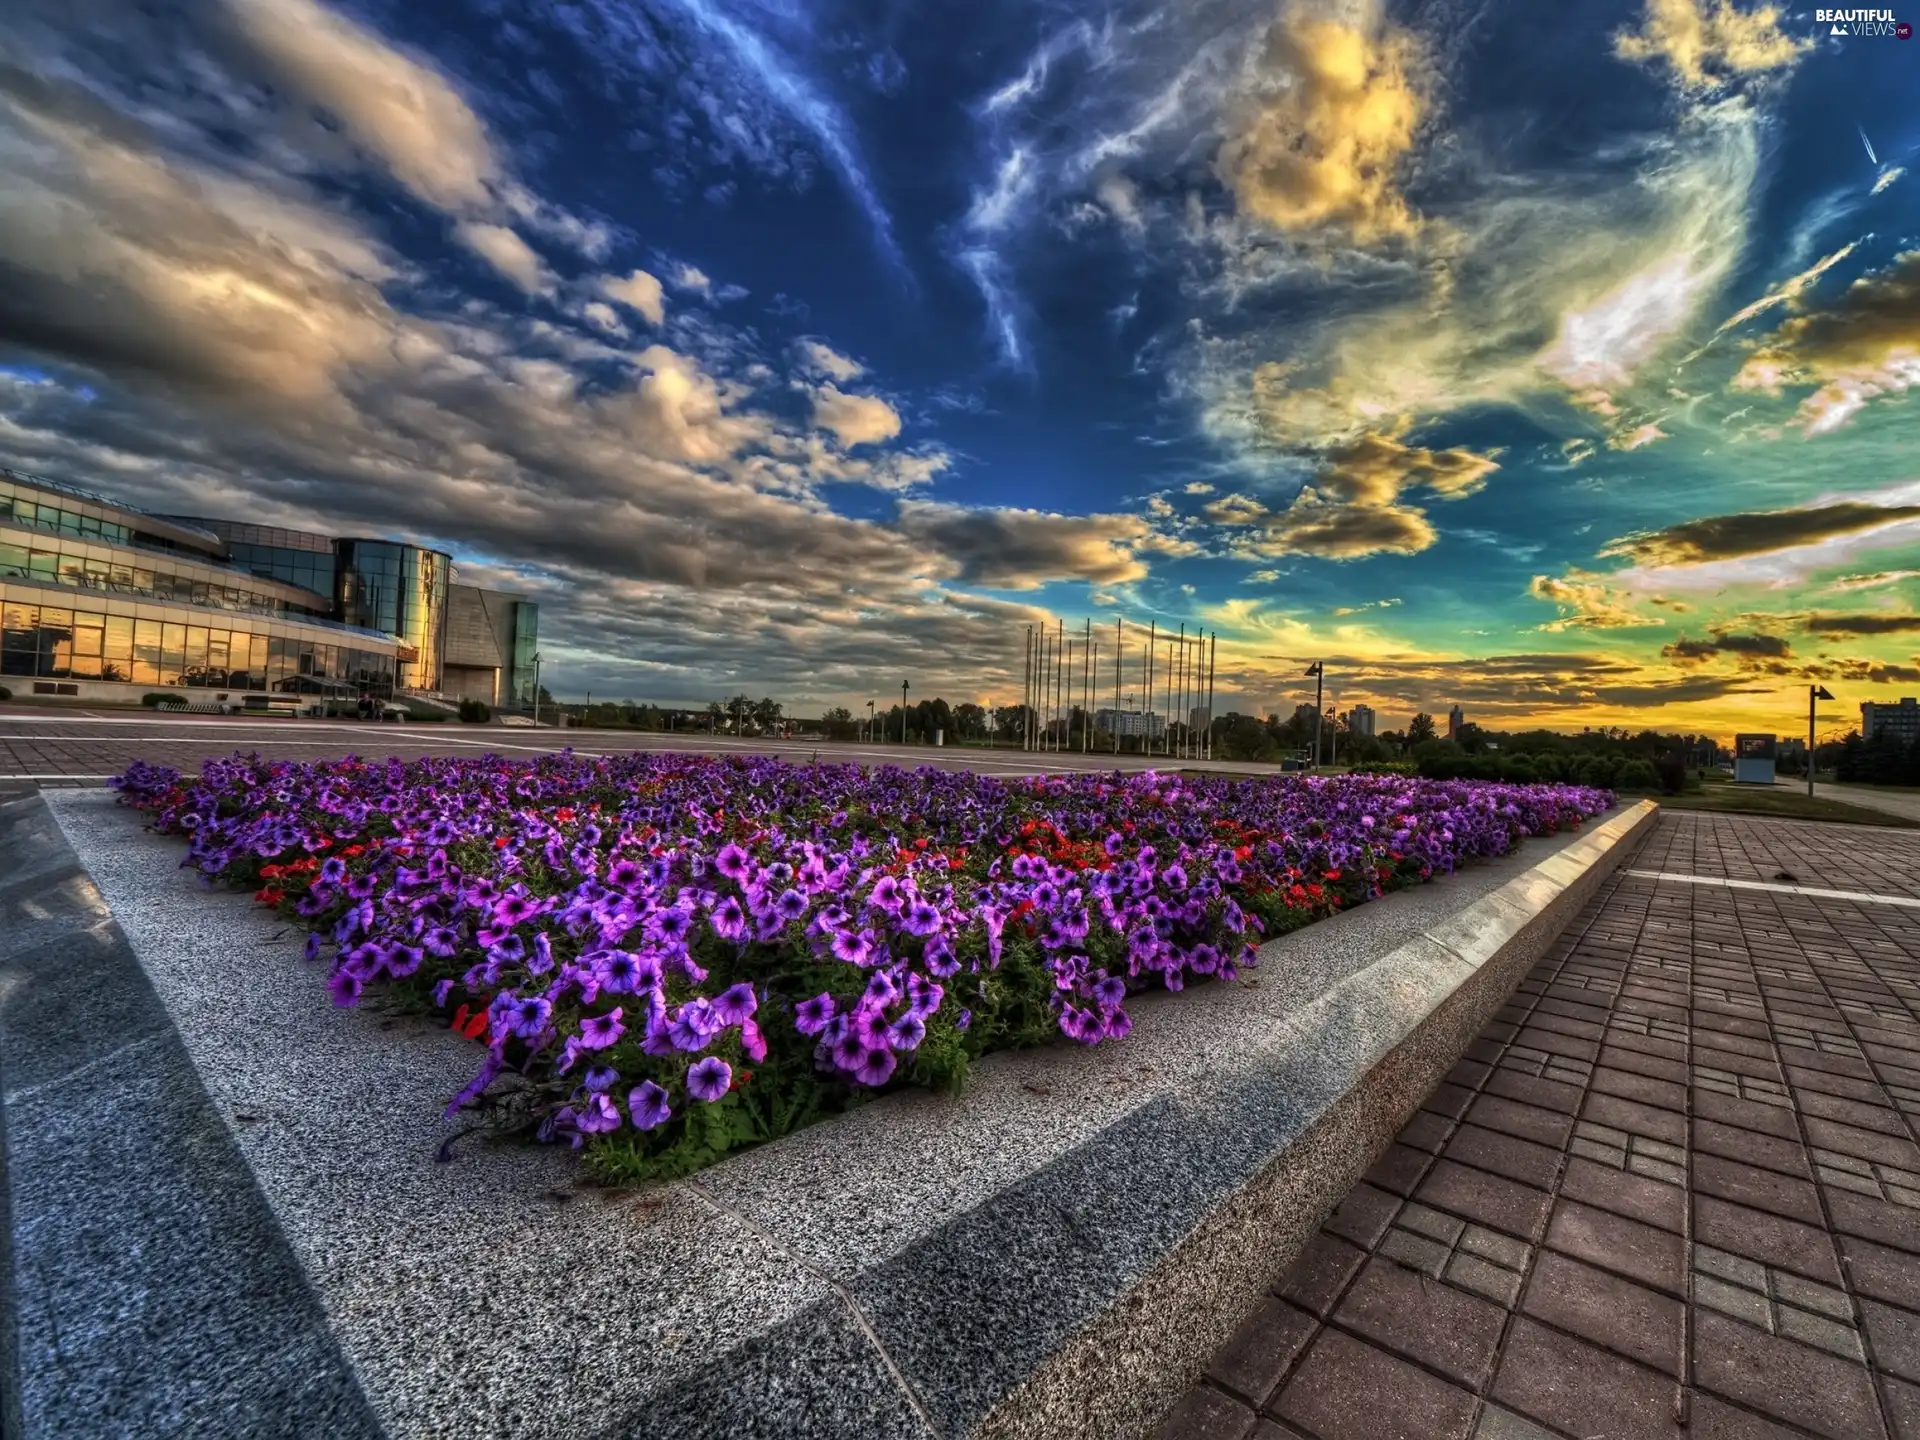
[
  {"x": 639, "y": 291},
  {"x": 1725, "y": 537},
  {"x": 1592, "y": 603},
  {"x": 1353, "y": 505},
  {"x": 1023, "y": 549},
  {"x": 1865, "y": 344},
  {"x": 395, "y": 109},
  {"x": 1746, "y": 647},
  {"x": 1326, "y": 125},
  {"x": 1706, "y": 42},
  {"x": 856, "y": 419},
  {"x": 1638, "y": 436},
  {"x": 1867, "y": 623}
]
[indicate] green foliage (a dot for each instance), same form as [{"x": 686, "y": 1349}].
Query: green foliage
[
  {"x": 475, "y": 712},
  {"x": 1672, "y": 770},
  {"x": 1637, "y": 775}
]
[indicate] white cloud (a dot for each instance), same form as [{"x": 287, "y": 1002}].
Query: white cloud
[
  {"x": 855, "y": 419},
  {"x": 641, "y": 292},
  {"x": 829, "y": 362},
  {"x": 687, "y": 277},
  {"x": 399, "y": 110},
  {"x": 508, "y": 253}
]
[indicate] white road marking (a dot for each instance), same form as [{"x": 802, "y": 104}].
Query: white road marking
[
  {"x": 5, "y": 778},
  {"x": 1811, "y": 891}
]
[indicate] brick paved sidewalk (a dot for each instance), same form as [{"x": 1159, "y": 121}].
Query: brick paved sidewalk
[{"x": 1673, "y": 1190}]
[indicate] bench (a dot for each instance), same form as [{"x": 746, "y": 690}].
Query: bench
[{"x": 268, "y": 705}]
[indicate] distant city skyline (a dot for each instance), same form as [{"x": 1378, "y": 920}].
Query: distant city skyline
[{"x": 1561, "y": 370}]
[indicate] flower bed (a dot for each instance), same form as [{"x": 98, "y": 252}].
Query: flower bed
[{"x": 669, "y": 957}]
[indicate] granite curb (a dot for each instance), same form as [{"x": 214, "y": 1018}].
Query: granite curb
[
  {"x": 146, "y": 1286},
  {"x": 1055, "y": 1253}
]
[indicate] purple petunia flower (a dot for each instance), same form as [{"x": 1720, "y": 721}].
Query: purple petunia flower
[
  {"x": 907, "y": 1032},
  {"x": 729, "y": 921},
  {"x": 597, "y": 1032},
  {"x": 709, "y": 1079},
  {"x": 530, "y": 1015},
  {"x": 735, "y": 1004},
  {"x": 344, "y": 987},
  {"x": 810, "y": 1017},
  {"x": 1110, "y": 992},
  {"x": 732, "y": 862},
  {"x": 598, "y": 1115},
  {"x": 441, "y": 990},
  {"x": 647, "y": 1104},
  {"x": 876, "y": 1068},
  {"x": 600, "y": 1079}
]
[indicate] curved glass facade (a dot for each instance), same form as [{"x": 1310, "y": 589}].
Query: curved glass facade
[
  {"x": 402, "y": 590},
  {"x": 48, "y": 634}
]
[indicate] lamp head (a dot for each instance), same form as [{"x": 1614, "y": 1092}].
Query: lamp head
[{"x": 1820, "y": 692}]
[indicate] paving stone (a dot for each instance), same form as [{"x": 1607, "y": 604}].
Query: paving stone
[
  {"x": 1489, "y": 1199},
  {"x": 1530, "y": 1164},
  {"x": 1498, "y": 1424},
  {"x": 1652, "y": 1256},
  {"x": 1769, "y": 1239},
  {"x": 1614, "y": 1314},
  {"x": 1363, "y": 1216},
  {"x": 1431, "y": 1324},
  {"x": 1651, "y": 1201},
  {"x": 1261, "y": 1351},
  {"x": 1529, "y": 1122},
  {"x": 1627, "y": 1085},
  {"x": 1818, "y": 1330},
  {"x": 1416, "y": 1252},
  {"x": 1399, "y": 1169},
  {"x": 1821, "y": 1299},
  {"x": 1737, "y": 1301},
  {"x": 1206, "y": 1414},
  {"x": 1784, "y": 1378},
  {"x": 1754, "y": 1147},
  {"x": 1502, "y": 1250},
  {"x": 1484, "y": 1278},
  {"x": 1531, "y": 1090},
  {"x": 1431, "y": 1223},
  {"x": 1890, "y": 1224},
  {"x": 1713, "y": 1419},
  {"x": 1636, "y": 1118},
  {"x": 1762, "y": 1189},
  {"x": 1903, "y": 1407},
  {"x": 1745, "y": 1114},
  {"x": 1881, "y": 1273},
  {"x": 1426, "y": 1131},
  {"x": 1321, "y": 1271},
  {"x": 1866, "y": 1144},
  {"x": 1734, "y": 1269},
  {"x": 1402, "y": 1401},
  {"x": 1895, "y": 1337},
  {"x": 1581, "y": 1389}
]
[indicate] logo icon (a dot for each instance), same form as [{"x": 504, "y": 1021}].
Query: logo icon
[{"x": 1903, "y": 31}]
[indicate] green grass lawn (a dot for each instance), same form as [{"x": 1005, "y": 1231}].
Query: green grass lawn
[{"x": 1787, "y": 804}]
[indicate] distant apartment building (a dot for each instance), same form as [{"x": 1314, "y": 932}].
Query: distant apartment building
[
  {"x": 1901, "y": 721},
  {"x": 1456, "y": 722},
  {"x": 1131, "y": 723},
  {"x": 1360, "y": 721},
  {"x": 1199, "y": 718}
]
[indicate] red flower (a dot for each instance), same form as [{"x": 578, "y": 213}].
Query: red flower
[{"x": 459, "y": 1018}]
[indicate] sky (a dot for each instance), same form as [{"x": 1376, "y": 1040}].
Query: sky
[{"x": 1555, "y": 362}]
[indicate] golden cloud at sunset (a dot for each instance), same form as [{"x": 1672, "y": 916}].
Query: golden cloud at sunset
[
  {"x": 1705, "y": 42},
  {"x": 1319, "y": 141}
]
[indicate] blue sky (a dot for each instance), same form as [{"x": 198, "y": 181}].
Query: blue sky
[{"x": 1561, "y": 369}]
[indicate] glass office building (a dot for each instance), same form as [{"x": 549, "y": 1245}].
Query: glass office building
[
  {"x": 401, "y": 590},
  {"x": 94, "y": 594},
  {"x": 298, "y": 557}
]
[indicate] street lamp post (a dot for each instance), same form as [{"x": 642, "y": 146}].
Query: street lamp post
[
  {"x": 903, "y": 712},
  {"x": 1814, "y": 692},
  {"x": 1318, "y": 673},
  {"x": 536, "y": 687},
  {"x": 869, "y": 722}
]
